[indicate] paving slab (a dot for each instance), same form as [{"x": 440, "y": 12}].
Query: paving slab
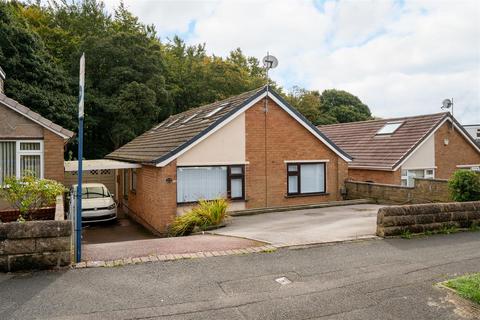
[
  {"x": 164, "y": 246},
  {"x": 310, "y": 226}
]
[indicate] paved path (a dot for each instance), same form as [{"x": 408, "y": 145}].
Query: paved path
[
  {"x": 374, "y": 279},
  {"x": 163, "y": 246},
  {"x": 307, "y": 226}
]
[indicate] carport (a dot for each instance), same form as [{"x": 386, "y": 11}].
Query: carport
[
  {"x": 98, "y": 171},
  {"x": 106, "y": 172}
]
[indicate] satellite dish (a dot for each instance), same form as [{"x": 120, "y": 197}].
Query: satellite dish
[
  {"x": 447, "y": 104},
  {"x": 270, "y": 62}
]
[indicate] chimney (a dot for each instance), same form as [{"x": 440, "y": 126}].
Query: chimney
[{"x": 2, "y": 79}]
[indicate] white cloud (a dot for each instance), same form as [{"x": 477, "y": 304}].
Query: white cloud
[{"x": 400, "y": 57}]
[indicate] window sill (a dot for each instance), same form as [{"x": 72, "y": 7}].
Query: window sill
[
  {"x": 185, "y": 204},
  {"x": 307, "y": 195}
]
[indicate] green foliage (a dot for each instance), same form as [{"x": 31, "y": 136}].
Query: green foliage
[
  {"x": 332, "y": 106},
  {"x": 202, "y": 216},
  {"x": 28, "y": 194},
  {"x": 406, "y": 234},
  {"x": 467, "y": 286},
  {"x": 464, "y": 185},
  {"x": 133, "y": 79}
]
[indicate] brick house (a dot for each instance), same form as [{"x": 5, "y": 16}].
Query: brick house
[
  {"x": 254, "y": 149},
  {"x": 394, "y": 151},
  {"x": 28, "y": 141}
]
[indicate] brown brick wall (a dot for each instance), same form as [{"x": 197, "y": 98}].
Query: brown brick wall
[
  {"x": 155, "y": 200},
  {"x": 458, "y": 151},
  {"x": 377, "y": 176},
  {"x": 286, "y": 140},
  {"x": 53, "y": 156}
]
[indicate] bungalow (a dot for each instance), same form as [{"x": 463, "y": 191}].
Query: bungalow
[
  {"x": 394, "y": 151},
  {"x": 254, "y": 149},
  {"x": 28, "y": 141}
]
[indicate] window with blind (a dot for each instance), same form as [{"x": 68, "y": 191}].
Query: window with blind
[
  {"x": 306, "y": 178},
  {"x": 19, "y": 158},
  {"x": 7, "y": 160},
  {"x": 209, "y": 183}
]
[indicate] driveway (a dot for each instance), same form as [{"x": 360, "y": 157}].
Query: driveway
[{"x": 308, "y": 226}]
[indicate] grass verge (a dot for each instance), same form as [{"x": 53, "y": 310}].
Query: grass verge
[{"x": 466, "y": 286}]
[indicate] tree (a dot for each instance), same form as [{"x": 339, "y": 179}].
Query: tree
[
  {"x": 332, "y": 106},
  {"x": 32, "y": 77}
]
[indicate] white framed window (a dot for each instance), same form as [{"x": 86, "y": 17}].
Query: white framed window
[
  {"x": 389, "y": 128},
  {"x": 20, "y": 157},
  {"x": 409, "y": 175}
]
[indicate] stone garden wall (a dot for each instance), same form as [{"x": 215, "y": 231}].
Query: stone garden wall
[
  {"x": 419, "y": 218},
  {"x": 36, "y": 244},
  {"x": 424, "y": 191}
]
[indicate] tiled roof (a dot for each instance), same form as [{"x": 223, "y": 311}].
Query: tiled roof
[
  {"x": 181, "y": 130},
  {"x": 173, "y": 132},
  {"x": 35, "y": 117},
  {"x": 368, "y": 149}
]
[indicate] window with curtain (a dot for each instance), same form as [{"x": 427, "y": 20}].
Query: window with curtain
[
  {"x": 195, "y": 183},
  {"x": 7, "y": 160},
  {"x": 306, "y": 178}
]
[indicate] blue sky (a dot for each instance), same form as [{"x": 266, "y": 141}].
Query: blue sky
[{"x": 400, "y": 57}]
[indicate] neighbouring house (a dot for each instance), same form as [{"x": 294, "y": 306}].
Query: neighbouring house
[
  {"x": 28, "y": 141},
  {"x": 395, "y": 151},
  {"x": 254, "y": 149},
  {"x": 474, "y": 131}
]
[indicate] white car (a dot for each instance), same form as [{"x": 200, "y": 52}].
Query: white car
[{"x": 97, "y": 203}]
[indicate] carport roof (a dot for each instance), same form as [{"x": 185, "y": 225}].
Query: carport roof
[{"x": 99, "y": 164}]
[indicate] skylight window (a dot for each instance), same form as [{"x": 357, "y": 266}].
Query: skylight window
[
  {"x": 172, "y": 123},
  {"x": 189, "y": 118},
  {"x": 389, "y": 128},
  {"x": 216, "y": 110}
]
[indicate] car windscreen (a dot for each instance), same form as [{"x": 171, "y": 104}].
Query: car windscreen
[{"x": 94, "y": 193}]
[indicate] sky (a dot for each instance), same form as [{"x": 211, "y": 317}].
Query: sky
[{"x": 400, "y": 57}]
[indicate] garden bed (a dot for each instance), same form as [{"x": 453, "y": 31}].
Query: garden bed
[{"x": 12, "y": 215}]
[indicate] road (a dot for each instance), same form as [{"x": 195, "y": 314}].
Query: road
[{"x": 371, "y": 279}]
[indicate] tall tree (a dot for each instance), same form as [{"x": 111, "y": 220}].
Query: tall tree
[
  {"x": 332, "y": 106},
  {"x": 32, "y": 77}
]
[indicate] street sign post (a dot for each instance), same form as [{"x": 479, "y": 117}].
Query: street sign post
[{"x": 78, "y": 217}]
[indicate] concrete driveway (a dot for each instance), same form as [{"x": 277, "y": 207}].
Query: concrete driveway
[{"x": 308, "y": 226}]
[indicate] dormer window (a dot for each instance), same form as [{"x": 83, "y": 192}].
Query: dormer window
[{"x": 389, "y": 128}]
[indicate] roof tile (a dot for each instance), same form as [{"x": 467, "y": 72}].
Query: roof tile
[{"x": 359, "y": 139}]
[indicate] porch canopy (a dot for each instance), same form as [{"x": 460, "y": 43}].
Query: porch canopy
[{"x": 99, "y": 164}]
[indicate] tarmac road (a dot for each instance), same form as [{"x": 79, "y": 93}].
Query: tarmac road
[{"x": 370, "y": 279}]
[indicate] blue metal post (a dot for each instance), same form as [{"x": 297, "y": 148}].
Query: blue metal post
[{"x": 78, "y": 220}]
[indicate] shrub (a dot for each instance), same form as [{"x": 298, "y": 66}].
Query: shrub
[
  {"x": 28, "y": 194},
  {"x": 202, "y": 216},
  {"x": 465, "y": 186}
]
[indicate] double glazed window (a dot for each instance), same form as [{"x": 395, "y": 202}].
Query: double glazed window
[
  {"x": 18, "y": 158},
  {"x": 208, "y": 183},
  {"x": 408, "y": 176},
  {"x": 306, "y": 178}
]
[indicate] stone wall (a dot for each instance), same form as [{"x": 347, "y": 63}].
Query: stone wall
[
  {"x": 395, "y": 220},
  {"x": 34, "y": 245},
  {"x": 424, "y": 191}
]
